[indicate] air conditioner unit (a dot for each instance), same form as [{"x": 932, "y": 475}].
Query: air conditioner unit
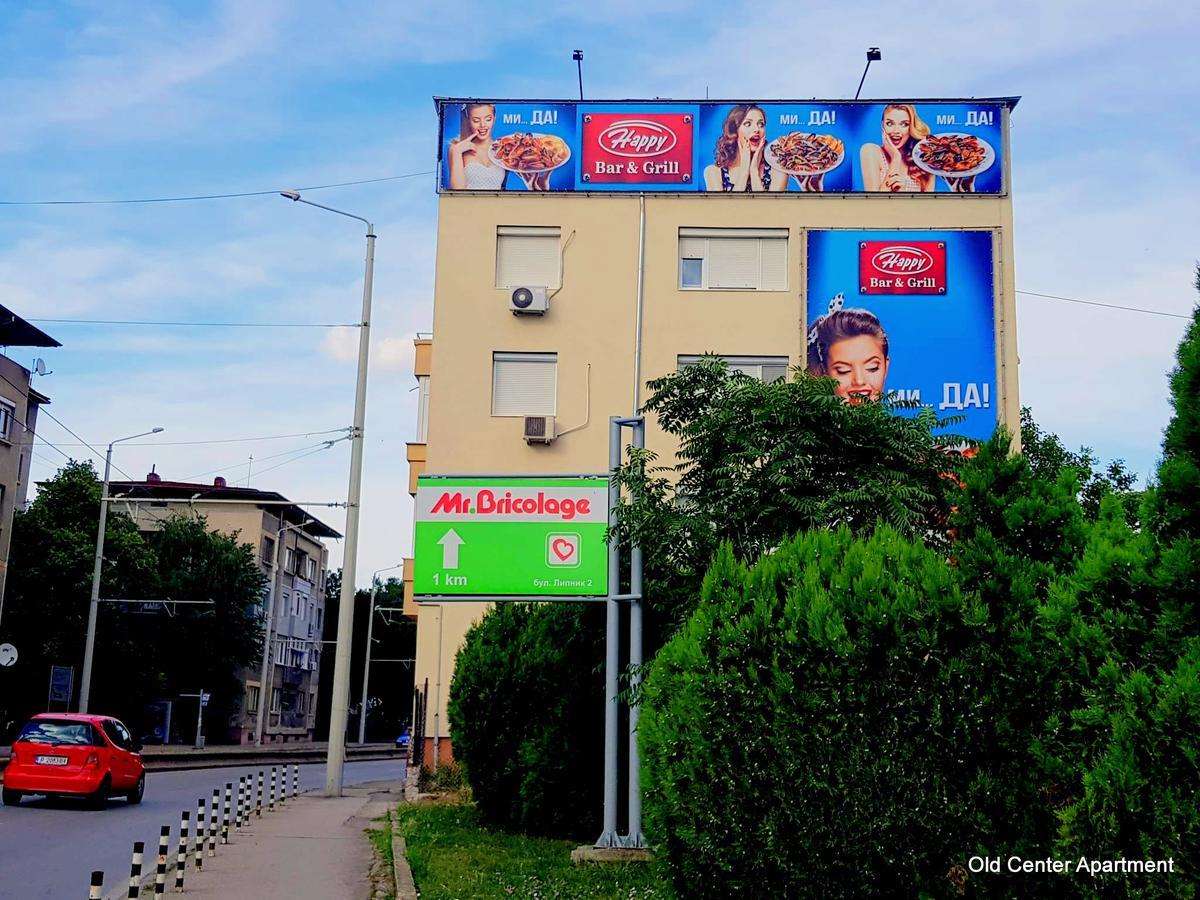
[
  {"x": 539, "y": 429},
  {"x": 529, "y": 301}
]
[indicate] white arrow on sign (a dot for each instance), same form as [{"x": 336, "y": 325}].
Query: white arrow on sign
[
  {"x": 450, "y": 543},
  {"x": 8, "y": 655}
]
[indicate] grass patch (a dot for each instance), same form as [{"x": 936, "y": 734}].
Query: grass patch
[
  {"x": 381, "y": 838},
  {"x": 452, "y": 856}
]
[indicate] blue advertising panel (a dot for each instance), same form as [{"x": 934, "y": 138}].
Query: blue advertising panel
[
  {"x": 927, "y": 146},
  {"x": 908, "y": 313}
]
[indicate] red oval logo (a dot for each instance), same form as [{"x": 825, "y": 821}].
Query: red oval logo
[
  {"x": 901, "y": 259},
  {"x": 637, "y": 138}
]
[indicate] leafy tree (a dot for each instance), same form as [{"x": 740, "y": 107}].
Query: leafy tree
[
  {"x": 758, "y": 462},
  {"x": 1049, "y": 458},
  {"x": 1176, "y": 504},
  {"x": 49, "y": 586}
]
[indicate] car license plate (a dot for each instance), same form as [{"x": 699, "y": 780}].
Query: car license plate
[{"x": 50, "y": 760}]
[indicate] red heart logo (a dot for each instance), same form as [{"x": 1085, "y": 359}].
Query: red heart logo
[{"x": 563, "y": 549}]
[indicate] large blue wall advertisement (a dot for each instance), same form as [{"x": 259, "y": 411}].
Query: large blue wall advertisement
[
  {"x": 908, "y": 313},
  {"x": 928, "y": 146}
]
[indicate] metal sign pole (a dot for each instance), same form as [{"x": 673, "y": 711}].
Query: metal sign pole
[
  {"x": 608, "y": 837},
  {"x": 634, "y": 837}
]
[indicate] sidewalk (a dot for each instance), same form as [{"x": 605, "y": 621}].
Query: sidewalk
[{"x": 312, "y": 847}]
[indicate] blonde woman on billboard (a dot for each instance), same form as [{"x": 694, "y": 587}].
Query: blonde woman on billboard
[
  {"x": 470, "y": 167},
  {"x": 888, "y": 165},
  {"x": 850, "y": 346},
  {"x": 739, "y": 164}
]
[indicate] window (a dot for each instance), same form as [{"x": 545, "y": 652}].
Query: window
[
  {"x": 8, "y": 414},
  {"x": 320, "y": 616},
  {"x": 524, "y": 384},
  {"x": 268, "y": 550},
  {"x": 527, "y": 256},
  {"x": 276, "y": 699},
  {"x": 733, "y": 259},
  {"x": 765, "y": 368},
  {"x": 289, "y": 561},
  {"x": 279, "y": 652},
  {"x": 422, "y": 409},
  {"x": 312, "y": 570},
  {"x": 252, "y": 692},
  {"x": 300, "y": 702}
]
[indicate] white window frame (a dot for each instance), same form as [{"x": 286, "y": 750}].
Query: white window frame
[
  {"x": 522, "y": 260},
  {"x": 509, "y": 362},
  {"x": 697, "y": 243},
  {"x": 751, "y": 365},
  {"x": 311, "y": 575},
  {"x": 252, "y": 697},
  {"x": 8, "y": 417},
  {"x": 276, "y": 700}
]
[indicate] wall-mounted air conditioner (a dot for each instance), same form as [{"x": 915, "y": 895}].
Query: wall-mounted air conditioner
[
  {"x": 539, "y": 429},
  {"x": 529, "y": 301}
]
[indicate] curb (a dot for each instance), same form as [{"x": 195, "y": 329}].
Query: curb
[{"x": 406, "y": 888}]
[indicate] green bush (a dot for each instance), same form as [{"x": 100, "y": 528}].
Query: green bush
[
  {"x": 527, "y": 717},
  {"x": 825, "y": 725}
]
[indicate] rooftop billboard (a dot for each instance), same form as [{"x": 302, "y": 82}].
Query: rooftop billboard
[{"x": 828, "y": 147}]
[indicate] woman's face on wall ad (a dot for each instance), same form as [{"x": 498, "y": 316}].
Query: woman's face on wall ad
[
  {"x": 481, "y": 118},
  {"x": 752, "y": 129},
  {"x": 860, "y": 367},
  {"x": 897, "y": 126}
]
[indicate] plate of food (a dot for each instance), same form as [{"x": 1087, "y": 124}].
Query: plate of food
[
  {"x": 954, "y": 155},
  {"x": 802, "y": 154},
  {"x": 528, "y": 153}
]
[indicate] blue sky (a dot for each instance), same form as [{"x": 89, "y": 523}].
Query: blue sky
[{"x": 119, "y": 100}]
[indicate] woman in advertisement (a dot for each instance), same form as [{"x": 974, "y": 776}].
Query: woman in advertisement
[
  {"x": 739, "y": 165},
  {"x": 850, "y": 346},
  {"x": 471, "y": 169},
  {"x": 888, "y": 165}
]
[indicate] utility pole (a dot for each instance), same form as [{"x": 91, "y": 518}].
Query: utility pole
[
  {"x": 362, "y": 714},
  {"x": 89, "y": 647}
]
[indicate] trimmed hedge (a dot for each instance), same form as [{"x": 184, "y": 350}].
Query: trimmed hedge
[
  {"x": 526, "y": 716},
  {"x": 824, "y": 726}
]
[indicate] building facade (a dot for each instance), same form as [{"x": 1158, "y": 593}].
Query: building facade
[
  {"x": 19, "y": 404},
  {"x": 642, "y": 277},
  {"x": 289, "y": 547}
]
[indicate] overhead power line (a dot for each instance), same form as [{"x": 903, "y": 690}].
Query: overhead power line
[
  {"x": 201, "y": 324},
  {"x": 245, "y": 440},
  {"x": 1137, "y": 309},
  {"x": 184, "y": 199}
]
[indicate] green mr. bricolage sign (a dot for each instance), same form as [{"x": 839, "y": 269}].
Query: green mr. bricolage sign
[{"x": 510, "y": 537}]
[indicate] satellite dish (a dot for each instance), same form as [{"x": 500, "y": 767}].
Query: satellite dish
[{"x": 39, "y": 367}]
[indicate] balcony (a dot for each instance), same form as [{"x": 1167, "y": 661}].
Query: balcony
[
  {"x": 291, "y": 676},
  {"x": 423, "y": 359},
  {"x": 417, "y": 454}
]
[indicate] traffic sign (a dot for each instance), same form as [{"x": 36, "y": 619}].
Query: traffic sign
[
  {"x": 510, "y": 537},
  {"x": 8, "y": 655},
  {"x": 62, "y": 681}
]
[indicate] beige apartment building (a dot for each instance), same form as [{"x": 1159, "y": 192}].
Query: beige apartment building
[
  {"x": 289, "y": 547},
  {"x": 19, "y": 404},
  {"x": 638, "y": 282}
]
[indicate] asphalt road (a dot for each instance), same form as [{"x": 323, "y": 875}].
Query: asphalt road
[{"x": 48, "y": 848}]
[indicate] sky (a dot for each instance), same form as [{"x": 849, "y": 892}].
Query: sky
[{"x": 115, "y": 100}]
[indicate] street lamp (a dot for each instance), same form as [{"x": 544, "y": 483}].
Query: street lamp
[
  {"x": 263, "y": 687},
  {"x": 873, "y": 55},
  {"x": 85, "y": 685},
  {"x": 362, "y": 713},
  {"x": 339, "y": 711}
]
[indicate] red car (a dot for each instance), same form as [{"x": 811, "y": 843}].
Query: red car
[{"x": 74, "y": 755}]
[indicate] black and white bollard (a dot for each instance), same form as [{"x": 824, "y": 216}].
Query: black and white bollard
[
  {"x": 200, "y": 833},
  {"x": 135, "y": 870},
  {"x": 225, "y": 810},
  {"x": 212, "y": 822},
  {"x": 160, "y": 875},
  {"x": 274, "y": 781},
  {"x": 241, "y": 813},
  {"x": 295, "y": 781},
  {"x": 282, "y": 785},
  {"x": 94, "y": 892},
  {"x": 181, "y": 858},
  {"x": 258, "y": 784}
]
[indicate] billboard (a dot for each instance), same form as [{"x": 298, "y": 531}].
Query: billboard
[
  {"x": 515, "y": 537},
  {"x": 909, "y": 313},
  {"x": 914, "y": 147}
]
